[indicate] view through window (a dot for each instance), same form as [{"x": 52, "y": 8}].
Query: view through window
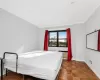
[{"x": 58, "y": 39}]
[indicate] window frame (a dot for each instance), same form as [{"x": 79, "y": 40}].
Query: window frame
[{"x": 57, "y": 31}]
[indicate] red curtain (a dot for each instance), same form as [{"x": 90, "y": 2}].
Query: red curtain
[
  {"x": 99, "y": 40},
  {"x": 68, "y": 32},
  {"x": 46, "y": 41}
]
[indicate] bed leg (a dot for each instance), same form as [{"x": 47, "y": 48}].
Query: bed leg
[
  {"x": 6, "y": 71},
  {"x": 23, "y": 77}
]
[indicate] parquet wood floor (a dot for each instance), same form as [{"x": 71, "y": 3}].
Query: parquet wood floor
[{"x": 73, "y": 70}]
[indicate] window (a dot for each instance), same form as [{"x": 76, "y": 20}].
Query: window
[
  {"x": 53, "y": 39},
  {"x": 57, "y": 38}
]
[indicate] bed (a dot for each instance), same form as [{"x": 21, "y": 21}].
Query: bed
[{"x": 39, "y": 64}]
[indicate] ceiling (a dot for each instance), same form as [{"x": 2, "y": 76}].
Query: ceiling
[{"x": 51, "y": 13}]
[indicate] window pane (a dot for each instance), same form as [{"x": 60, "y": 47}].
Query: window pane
[
  {"x": 53, "y": 39},
  {"x": 62, "y": 39}
]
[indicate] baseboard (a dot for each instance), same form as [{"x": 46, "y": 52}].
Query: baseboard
[
  {"x": 78, "y": 60},
  {"x": 98, "y": 75},
  {"x": 73, "y": 59},
  {"x": 64, "y": 58}
]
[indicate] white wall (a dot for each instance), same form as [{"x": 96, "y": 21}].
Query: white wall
[
  {"x": 80, "y": 41},
  {"x": 16, "y": 35},
  {"x": 41, "y": 32},
  {"x": 78, "y": 37},
  {"x": 91, "y": 25}
]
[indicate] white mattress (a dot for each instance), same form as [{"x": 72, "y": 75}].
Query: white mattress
[{"x": 40, "y": 64}]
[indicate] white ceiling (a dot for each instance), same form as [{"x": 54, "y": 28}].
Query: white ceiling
[{"x": 51, "y": 13}]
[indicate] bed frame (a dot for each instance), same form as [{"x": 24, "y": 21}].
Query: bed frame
[
  {"x": 4, "y": 57},
  {"x": 3, "y": 63}
]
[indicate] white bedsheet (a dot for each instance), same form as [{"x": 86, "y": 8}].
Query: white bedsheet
[{"x": 40, "y": 64}]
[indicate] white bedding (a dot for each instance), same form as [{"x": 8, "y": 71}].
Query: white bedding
[{"x": 40, "y": 64}]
